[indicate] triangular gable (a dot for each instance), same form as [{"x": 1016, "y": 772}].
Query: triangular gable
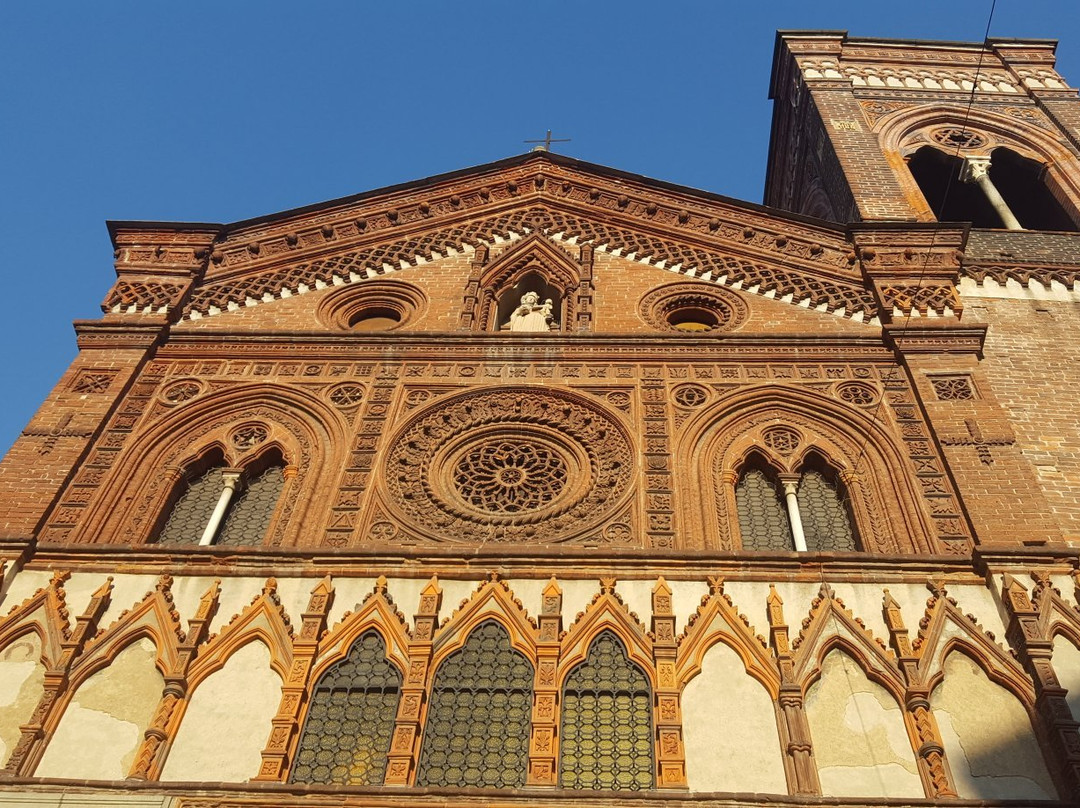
[{"x": 716, "y": 239}]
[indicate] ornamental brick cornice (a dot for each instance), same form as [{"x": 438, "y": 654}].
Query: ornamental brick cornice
[
  {"x": 653, "y": 208},
  {"x": 476, "y": 346},
  {"x": 93, "y": 334},
  {"x": 936, "y": 337}
]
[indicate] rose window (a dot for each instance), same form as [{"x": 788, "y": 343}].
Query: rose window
[
  {"x": 510, "y": 476},
  {"x": 513, "y": 465}
]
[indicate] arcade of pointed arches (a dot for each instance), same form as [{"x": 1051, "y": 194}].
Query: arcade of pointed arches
[{"x": 483, "y": 724}]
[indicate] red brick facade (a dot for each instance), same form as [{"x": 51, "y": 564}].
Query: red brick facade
[{"x": 924, "y": 370}]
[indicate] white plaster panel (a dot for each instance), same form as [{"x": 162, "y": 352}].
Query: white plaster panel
[
  {"x": 637, "y": 595},
  {"x": 985, "y": 605},
  {"x": 576, "y": 596},
  {"x": 187, "y": 592},
  {"x": 198, "y": 754},
  {"x": 405, "y": 592},
  {"x": 103, "y": 725},
  {"x": 730, "y": 731},
  {"x": 454, "y": 592},
  {"x": 987, "y": 735},
  {"x": 349, "y": 593},
  {"x": 685, "y": 598},
  {"x": 21, "y": 678},
  {"x": 127, "y": 591},
  {"x": 24, "y": 585},
  {"x": 530, "y": 591},
  {"x": 865, "y": 602},
  {"x": 750, "y": 598},
  {"x": 294, "y": 594},
  {"x": 236, "y": 594},
  {"x": 1066, "y": 661},
  {"x": 861, "y": 746},
  {"x": 1066, "y": 586}
]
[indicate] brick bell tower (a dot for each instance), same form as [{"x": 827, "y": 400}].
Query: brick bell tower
[{"x": 873, "y": 130}]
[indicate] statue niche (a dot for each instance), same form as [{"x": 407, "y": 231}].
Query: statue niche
[
  {"x": 533, "y": 286},
  {"x": 530, "y": 305}
]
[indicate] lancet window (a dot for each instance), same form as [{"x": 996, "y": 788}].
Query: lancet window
[
  {"x": 607, "y": 730},
  {"x": 224, "y": 506},
  {"x": 346, "y": 736},
  {"x": 477, "y": 729},
  {"x": 807, "y": 512}
]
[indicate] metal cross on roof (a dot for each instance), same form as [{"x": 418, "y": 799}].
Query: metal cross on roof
[{"x": 545, "y": 144}]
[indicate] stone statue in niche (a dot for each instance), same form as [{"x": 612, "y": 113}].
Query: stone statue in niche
[{"x": 531, "y": 314}]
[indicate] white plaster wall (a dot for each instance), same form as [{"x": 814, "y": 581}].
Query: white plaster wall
[
  {"x": 987, "y": 735},
  {"x": 21, "y": 678},
  {"x": 751, "y": 599},
  {"x": 103, "y": 725},
  {"x": 127, "y": 591},
  {"x": 729, "y": 725},
  {"x": 243, "y": 696},
  {"x": 23, "y": 584},
  {"x": 861, "y": 746},
  {"x": 1066, "y": 661}
]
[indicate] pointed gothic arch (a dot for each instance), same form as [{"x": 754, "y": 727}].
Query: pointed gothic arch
[
  {"x": 606, "y": 726},
  {"x": 349, "y": 723},
  {"x": 244, "y": 426},
  {"x": 533, "y": 265},
  {"x": 477, "y": 727},
  {"x": 786, "y": 427},
  {"x": 978, "y": 133}
]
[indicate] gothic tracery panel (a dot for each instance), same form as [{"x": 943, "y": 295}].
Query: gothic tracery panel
[
  {"x": 519, "y": 465},
  {"x": 763, "y": 519},
  {"x": 826, "y": 521}
]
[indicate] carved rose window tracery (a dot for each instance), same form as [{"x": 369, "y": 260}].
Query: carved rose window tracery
[
  {"x": 510, "y": 476},
  {"x": 521, "y": 465}
]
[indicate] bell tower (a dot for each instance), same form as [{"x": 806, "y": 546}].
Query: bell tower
[{"x": 893, "y": 130}]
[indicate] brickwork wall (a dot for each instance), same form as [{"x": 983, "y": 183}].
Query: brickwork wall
[
  {"x": 1032, "y": 365},
  {"x": 1029, "y": 246},
  {"x": 46, "y": 453}
]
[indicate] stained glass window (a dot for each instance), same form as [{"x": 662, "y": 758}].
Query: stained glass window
[
  {"x": 350, "y": 722},
  {"x": 192, "y": 510},
  {"x": 607, "y": 735},
  {"x": 826, "y": 520},
  {"x": 763, "y": 517},
  {"x": 477, "y": 729},
  {"x": 247, "y": 518}
]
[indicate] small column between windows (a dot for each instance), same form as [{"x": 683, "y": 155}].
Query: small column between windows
[
  {"x": 791, "y": 491},
  {"x": 977, "y": 170},
  {"x": 230, "y": 478}
]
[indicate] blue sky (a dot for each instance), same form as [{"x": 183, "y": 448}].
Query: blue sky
[{"x": 221, "y": 111}]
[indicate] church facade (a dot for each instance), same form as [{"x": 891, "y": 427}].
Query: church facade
[{"x": 540, "y": 482}]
